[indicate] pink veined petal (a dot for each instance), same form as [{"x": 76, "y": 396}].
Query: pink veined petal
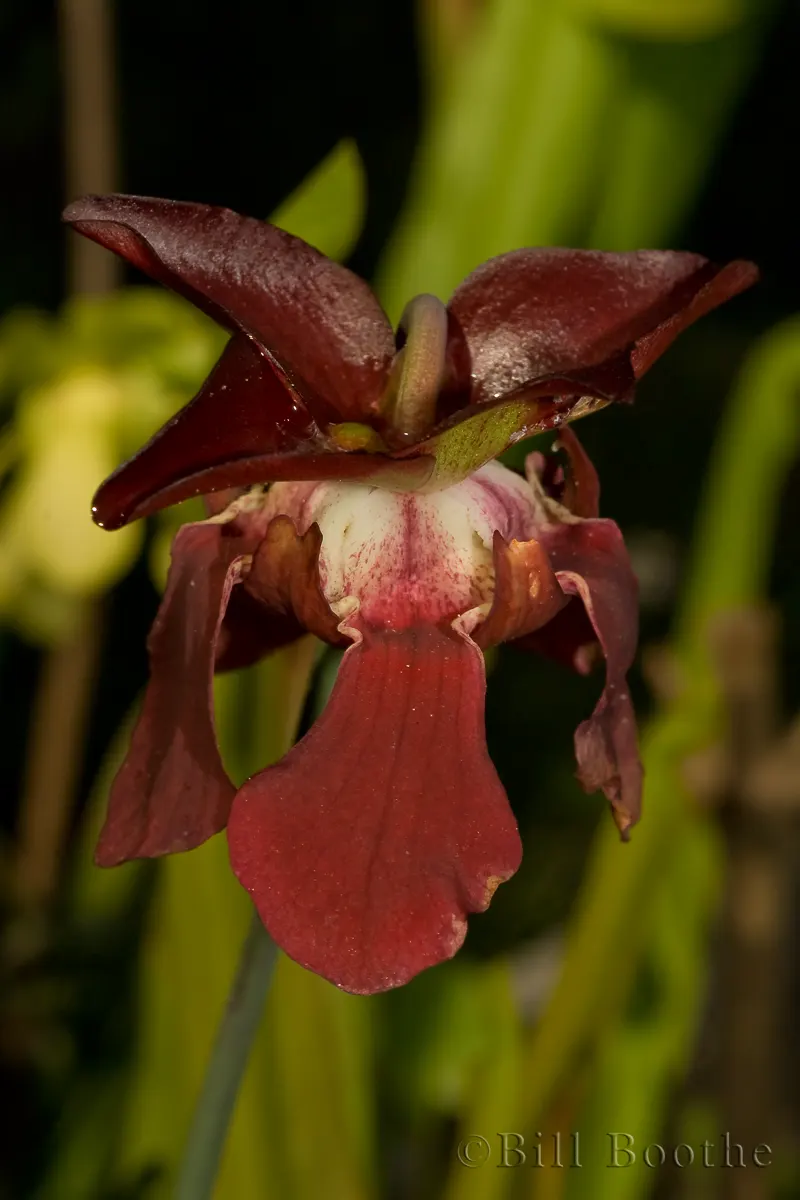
[
  {"x": 365, "y": 848},
  {"x": 172, "y": 791},
  {"x": 320, "y": 322},
  {"x": 538, "y": 312}
]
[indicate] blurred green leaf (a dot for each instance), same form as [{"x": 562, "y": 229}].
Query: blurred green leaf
[
  {"x": 676, "y": 101},
  {"x": 320, "y": 1108},
  {"x": 492, "y": 1098},
  {"x": 501, "y": 164},
  {"x": 327, "y": 209},
  {"x": 666, "y": 19}
]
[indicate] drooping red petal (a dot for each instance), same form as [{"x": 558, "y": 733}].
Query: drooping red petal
[
  {"x": 538, "y": 312},
  {"x": 367, "y": 846},
  {"x": 172, "y": 792},
  {"x": 592, "y": 564},
  {"x": 317, "y": 319}
]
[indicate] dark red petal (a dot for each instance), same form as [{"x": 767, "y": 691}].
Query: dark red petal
[
  {"x": 243, "y": 427},
  {"x": 592, "y": 564},
  {"x": 172, "y": 792},
  {"x": 365, "y": 848},
  {"x": 527, "y": 594},
  {"x": 319, "y": 320},
  {"x": 729, "y": 281},
  {"x": 250, "y": 631},
  {"x": 243, "y": 409},
  {"x": 540, "y": 312}
]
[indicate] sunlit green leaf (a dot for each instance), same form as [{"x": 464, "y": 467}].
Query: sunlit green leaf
[{"x": 327, "y": 209}]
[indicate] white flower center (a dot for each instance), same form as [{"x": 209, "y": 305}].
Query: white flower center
[{"x": 406, "y": 558}]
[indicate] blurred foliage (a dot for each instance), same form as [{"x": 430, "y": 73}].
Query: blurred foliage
[
  {"x": 584, "y": 122},
  {"x": 85, "y": 390}
]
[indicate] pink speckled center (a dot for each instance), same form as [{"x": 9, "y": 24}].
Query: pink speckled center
[{"x": 406, "y": 559}]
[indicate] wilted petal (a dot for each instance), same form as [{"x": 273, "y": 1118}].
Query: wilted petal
[
  {"x": 591, "y": 564},
  {"x": 172, "y": 792},
  {"x": 317, "y": 319},
  {"x": 540, "y": 312},
  {"x": 367, "y": 846}
]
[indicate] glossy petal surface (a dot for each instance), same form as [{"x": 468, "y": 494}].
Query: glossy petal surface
[
  {"x": 367, "y": 846},
  {"x": 318, "y": 320},
  {"x": 244, "y": 427},
  {"x": 538, "y": 312},
  {"x": 172, "y": 792}
]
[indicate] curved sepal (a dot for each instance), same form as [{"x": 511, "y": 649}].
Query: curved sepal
[
  {"x": 541, "y": 312},
  {"x": 367, "y": 846},
  {"x": 244, "y": 427},
  {"x": 318, "y": 320}
]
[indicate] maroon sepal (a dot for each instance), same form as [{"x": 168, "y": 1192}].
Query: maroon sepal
[
  {"x": 365, "y": 848},
  {"x": 172, "y": 791},
  {"x": 243, "y": 427},
  {"x": 532, "y": 313},
  {"x": 318, "y": 320}
]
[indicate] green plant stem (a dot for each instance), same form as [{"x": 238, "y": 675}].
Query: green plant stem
[{"x": 215, "y": 1105}]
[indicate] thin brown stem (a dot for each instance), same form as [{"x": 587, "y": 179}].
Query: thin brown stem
[
  {"x": 62, "y": 706},
  {"x": 90, "y": 140}
]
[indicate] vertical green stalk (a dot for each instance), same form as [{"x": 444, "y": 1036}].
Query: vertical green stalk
[{"x": 239, "y": 1025}]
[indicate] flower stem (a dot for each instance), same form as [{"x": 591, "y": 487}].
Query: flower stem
[{"x": 226, "y": 1068}]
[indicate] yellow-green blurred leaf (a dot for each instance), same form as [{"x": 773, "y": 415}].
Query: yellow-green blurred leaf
[
  {"x": 327, "y": 209},
  {"x": 46, "y": 526},
  {"x": 320, "y": 1111},
  {"x": 491, "y": 1102},
  {"x": 664, "y": 18}
]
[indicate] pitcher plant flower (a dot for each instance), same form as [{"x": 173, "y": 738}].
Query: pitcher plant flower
[{"x": 352, "y": 492}]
